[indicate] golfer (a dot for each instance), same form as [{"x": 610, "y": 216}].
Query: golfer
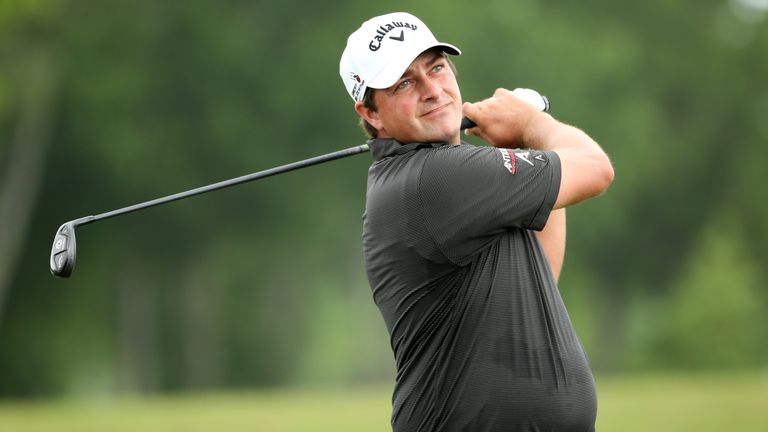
[{"x": 463, "y": 244}]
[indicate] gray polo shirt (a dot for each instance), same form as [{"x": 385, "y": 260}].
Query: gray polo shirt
[{"x": 481, "y": 337}]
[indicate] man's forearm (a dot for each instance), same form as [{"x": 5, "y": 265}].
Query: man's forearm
[
  {"x": 546, "y": 133},
  {"x": 507, "y": 121}
]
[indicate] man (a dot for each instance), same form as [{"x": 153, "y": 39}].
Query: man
[{"x": 463, "y": 245}]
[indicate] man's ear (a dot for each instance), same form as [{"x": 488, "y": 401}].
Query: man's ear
[{"x": 368, "y": 115}]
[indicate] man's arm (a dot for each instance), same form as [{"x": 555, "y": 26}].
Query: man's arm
[
  {"x": 507, "y": 121},
  {"x": 552, "y": 240}
]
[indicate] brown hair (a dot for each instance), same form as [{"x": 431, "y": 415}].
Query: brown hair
[{"x": 370, "y": 103}]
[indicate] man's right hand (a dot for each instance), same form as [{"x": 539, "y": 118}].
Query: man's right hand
[{"x": 503, "y": 120}]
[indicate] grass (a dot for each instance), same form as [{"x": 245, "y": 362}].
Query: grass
[
  {"x": 657, "y": 402},
  {"x": 684, "y": 402}
]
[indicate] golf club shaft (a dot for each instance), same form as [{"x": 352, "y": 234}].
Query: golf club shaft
[
  {"x": 235, "y": 181},
  {"x": 226, "y": 183},
  {"x": 531, "y": 96},
  {"x": 64, "y": 248}
]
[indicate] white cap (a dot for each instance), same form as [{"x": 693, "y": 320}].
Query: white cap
[{"x": 379, "y": 52}]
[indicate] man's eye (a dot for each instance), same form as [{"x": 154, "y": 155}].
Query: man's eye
[
  {"x": 403, "y": 84},
  {"x": 438, "y": 68}
]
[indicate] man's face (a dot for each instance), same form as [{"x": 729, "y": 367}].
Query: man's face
[{"x": 424, "y": 105}]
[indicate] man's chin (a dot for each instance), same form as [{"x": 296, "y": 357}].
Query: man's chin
[{"x": 441, "y": 132}]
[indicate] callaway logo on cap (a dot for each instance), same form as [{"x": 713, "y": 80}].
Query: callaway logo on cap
[{"x": 379, "y": 52}]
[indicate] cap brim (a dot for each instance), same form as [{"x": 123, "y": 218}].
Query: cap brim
[{"x": 395, "y": 69}]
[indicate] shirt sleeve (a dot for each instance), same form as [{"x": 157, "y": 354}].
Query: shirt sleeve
[{"x": 471, "y": 194}]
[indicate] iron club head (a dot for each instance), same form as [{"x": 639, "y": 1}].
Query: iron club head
[{"x": 64, "y": 250}]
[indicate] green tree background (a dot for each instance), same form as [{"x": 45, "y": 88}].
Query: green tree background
[{"x": 106, "y": 103}]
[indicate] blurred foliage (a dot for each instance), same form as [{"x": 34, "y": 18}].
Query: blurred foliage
[{"x": 264, "y": 284}]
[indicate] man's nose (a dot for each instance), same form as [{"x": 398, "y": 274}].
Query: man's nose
[{"x": 430, "y": 89}]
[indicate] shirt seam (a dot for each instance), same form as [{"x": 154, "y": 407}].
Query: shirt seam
[
  {"x": 551, "y": 192},
  {"x": 422, "y": 212}
]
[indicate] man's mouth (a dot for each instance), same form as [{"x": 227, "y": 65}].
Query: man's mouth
[{"x": 436, "y": 110}]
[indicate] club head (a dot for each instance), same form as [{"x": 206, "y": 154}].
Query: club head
[{"x": 63, "y": 251}]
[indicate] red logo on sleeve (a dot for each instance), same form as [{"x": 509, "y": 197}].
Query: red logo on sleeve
[{"x": 509, "y": 160}]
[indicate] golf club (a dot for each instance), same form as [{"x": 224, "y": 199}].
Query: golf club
[{"x": 64, "y": 249}]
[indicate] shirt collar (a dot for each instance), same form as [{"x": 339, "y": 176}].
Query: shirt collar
[{"x": 386, "y": 147}]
